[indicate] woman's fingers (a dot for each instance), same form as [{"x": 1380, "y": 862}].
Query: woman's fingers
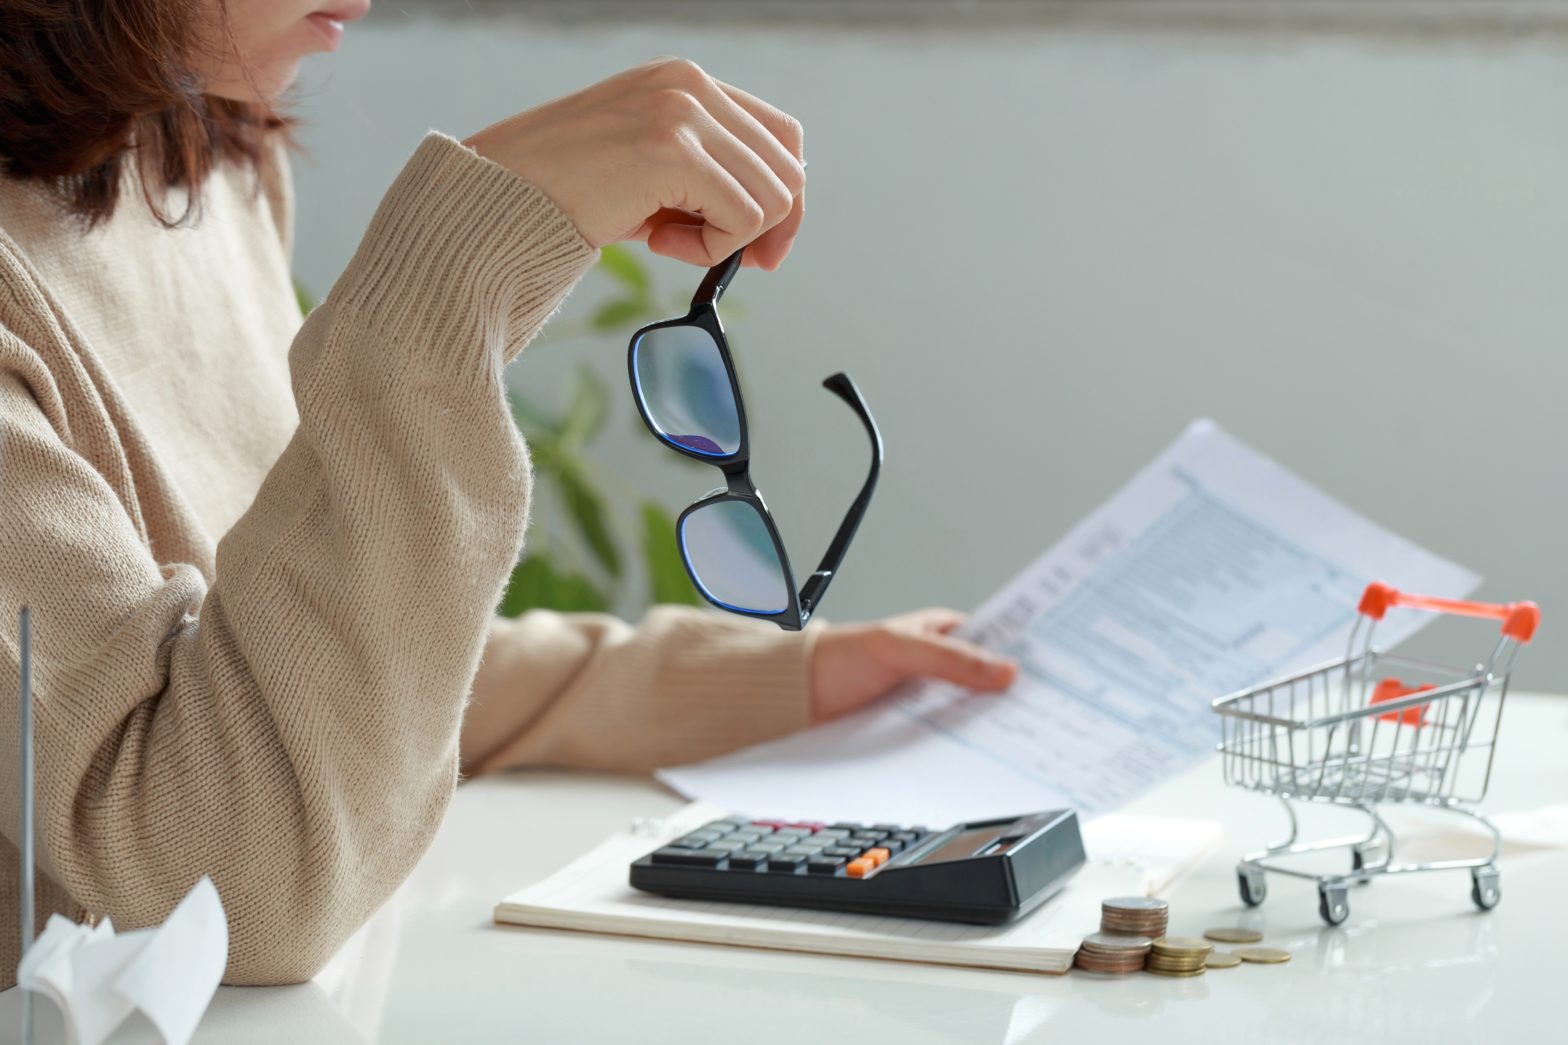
[
  {"x": 739, "y": 113},
  {"x": 952, "y": 660},
  {"x": 766, "y": 188},
  {"x": 774, "y": 245},
  {"x": 666, "y": 153},
  {"x": 939, "y": 619},
  {"x": 731, "y": 217}
]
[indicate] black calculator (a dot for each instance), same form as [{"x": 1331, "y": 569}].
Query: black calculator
[{"x": 986, "y": 872}]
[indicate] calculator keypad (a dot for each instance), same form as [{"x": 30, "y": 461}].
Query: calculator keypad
[{"x": 783, "y": 847}]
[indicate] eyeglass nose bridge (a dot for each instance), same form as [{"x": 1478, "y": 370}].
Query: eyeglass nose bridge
[{"x": 737, "y": 476}]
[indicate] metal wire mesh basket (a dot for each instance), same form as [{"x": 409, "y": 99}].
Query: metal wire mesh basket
[{"x": 1373, "y": 729}]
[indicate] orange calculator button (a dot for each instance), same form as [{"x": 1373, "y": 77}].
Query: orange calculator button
[
  {"x": 859, "y": 867},
  {"x": 879, "y": 856}
]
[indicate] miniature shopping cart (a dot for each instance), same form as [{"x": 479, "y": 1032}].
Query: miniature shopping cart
[{"x": 1371, "y": 730}]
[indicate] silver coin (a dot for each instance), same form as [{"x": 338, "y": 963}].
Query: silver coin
[
  {"x": 1135, "y": 903},
  {"x": 1117, "y": 942}
]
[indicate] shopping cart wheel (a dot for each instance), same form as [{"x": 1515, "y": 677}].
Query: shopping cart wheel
[
  {"x": 1484, "y": 887},
  {"x": 1253, "y": 888},
  {"x": 1334, "y": 903}
]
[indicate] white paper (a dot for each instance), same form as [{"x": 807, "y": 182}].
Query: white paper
[
  {"x": 1212, "y": 570},
  {"x": 1160, "y": 849},
  {"x": 97, "y": 978},
  {"x": 173, "y": 979}
]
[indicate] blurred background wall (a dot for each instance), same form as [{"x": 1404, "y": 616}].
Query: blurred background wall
[{"x": 1045, "y": 236}]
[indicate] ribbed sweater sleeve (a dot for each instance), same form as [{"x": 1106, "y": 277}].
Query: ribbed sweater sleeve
[
  {"x": 291, "y": 727},
  {"x": 590, "y": 691}
]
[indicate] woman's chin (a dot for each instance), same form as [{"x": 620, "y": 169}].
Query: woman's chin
[{"x": 263, "y": 83}]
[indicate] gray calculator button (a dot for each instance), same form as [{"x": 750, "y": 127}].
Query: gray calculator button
[
  {"x": 723, "y": 847},
  {"x": 687, "y": 857}
]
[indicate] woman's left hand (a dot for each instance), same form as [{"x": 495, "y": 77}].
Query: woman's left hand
[{"x": 854, "y": 664}]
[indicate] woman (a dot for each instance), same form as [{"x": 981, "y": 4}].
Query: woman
[{"x": 262, "y": 556}]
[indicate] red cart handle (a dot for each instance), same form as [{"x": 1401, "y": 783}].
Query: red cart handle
[{"x": 1519, "y": 618}]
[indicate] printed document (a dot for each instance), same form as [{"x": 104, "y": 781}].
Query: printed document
[{"x": 1213, "y": 570}]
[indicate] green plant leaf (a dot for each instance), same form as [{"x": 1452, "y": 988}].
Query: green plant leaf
[
  {"x": 589, "y": 402},
  {"x": 619, "y": 314},
  {"x": 586, "y": 508},
  {"x": 667, "y": 580},
  {"x": 307, "y": 302},
  {"x": 625, "y": 269},
  {"x": 578, "y": 595},
  {"x": 537, "y": 584}
]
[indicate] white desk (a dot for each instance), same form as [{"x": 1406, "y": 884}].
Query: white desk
[{"x": 1415, "y": 962}]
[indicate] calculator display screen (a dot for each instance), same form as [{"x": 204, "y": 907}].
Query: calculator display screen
[{"x": 967, "y": 843}]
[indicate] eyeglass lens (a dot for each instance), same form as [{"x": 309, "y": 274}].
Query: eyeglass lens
[
  {"x": 733, "y": 557},
  {"x": 686, "y": 389}
]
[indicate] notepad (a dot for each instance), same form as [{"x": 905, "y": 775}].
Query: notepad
[{"x": 591, "y": 894}]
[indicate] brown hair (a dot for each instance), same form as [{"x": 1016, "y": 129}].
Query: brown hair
[{"x": 90, "y": 86}]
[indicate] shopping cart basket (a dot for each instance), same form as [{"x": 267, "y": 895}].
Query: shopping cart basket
[{"x": 1369, "y": 730}]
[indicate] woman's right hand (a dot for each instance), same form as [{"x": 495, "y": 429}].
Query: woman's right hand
[{"x": 667, "y": 154}]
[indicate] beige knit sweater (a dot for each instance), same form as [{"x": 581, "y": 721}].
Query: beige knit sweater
[{"x": 263, "y": 574}]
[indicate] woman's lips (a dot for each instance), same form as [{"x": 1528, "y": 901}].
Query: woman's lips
[
  {"x": 327, "y": 27},
  {"x": 329, "y": 24}
]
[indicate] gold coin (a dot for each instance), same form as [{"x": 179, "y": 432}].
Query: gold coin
[
  {"x": 1180, "y": 945},
  {"x": 1221, "y": 960},
  {"x": 1238, "y": 935},
  {"x": 1262, "y": 955},
  {"x": 1174, "y": 972}
]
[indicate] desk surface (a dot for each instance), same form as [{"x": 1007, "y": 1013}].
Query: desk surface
[{"x": 1415, "y": 961}]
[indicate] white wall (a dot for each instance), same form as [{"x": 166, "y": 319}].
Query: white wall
[{"x": 1041, "y": 253}]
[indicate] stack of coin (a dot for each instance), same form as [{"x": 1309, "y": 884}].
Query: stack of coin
[
  {"x": 1135, "y": 915},
  {"x": 1112, "y": 952},
  {"x": 1178, "y": 956}
]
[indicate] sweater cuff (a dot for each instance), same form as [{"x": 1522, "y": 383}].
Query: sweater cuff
[
  {"x": 459, "y": 238},
  {"x": 731, "y": 682}
]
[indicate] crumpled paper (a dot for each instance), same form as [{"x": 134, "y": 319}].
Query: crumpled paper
[{"x": 97, "y": 977}]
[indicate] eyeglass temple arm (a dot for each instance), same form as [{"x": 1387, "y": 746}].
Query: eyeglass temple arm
[
  {"x": 817, "y": 585},
  {"x": 717, "y": 280}
]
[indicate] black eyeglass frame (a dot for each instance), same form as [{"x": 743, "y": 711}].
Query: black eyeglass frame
[{"x": 736, "y": 466}]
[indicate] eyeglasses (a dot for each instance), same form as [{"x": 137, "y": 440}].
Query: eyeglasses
[{"x": 683, "y": 379}]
